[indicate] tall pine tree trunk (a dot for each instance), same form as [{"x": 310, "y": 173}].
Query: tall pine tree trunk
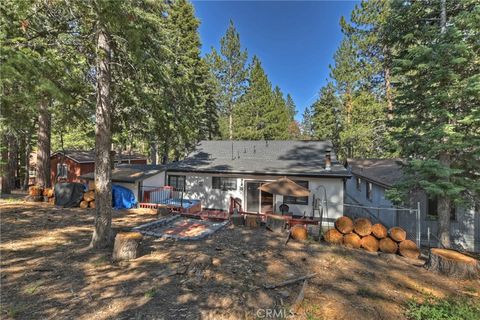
[
  {"x": 43, "y": 145},
  {"x": 102, "y": 235},
  {"x": 153, "y": 152},
  {"x": 28, "y": 150},
  {"x": 444, "y": 202},
  {"x": 12, "y": 161},
  {"x": 388, "y": 94},
  {"x": 230, "y": 125},
  {"x": 5, "y": 185}
]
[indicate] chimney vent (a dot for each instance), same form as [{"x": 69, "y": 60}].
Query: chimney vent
[{"x": 328, "y": 161}]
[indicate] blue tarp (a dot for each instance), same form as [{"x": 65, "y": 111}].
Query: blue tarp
[{"x": 122, "y": 198}]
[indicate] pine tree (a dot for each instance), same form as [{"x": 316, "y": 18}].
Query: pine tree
[
  {"x": 306, "y": 127},
  {"x": 292, "y": 109},
  {"x": 228, "y": 66},
  {"x": 437, "y": 114},
  {"x": 325, "y": 118}
]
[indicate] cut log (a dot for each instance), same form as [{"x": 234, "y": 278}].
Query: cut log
[
  {"x": 369, "y": 243},
  {"x": 409, "y": 249},
  {"x": 83, "y": 204},
  {"x": 352, "y": 240},
  {"x": 453, "y": 264},
  {"x": 387, "y": 245},
  {"x": 333, "y": 236},
  {"x": 344, "y": 225},
  {"x": 51, "y": 200},
  {"x": 252, "y": 221},
  {"x": 127, "y": 246},
  {"x": 397, "y": 234},
  {"x": 299, "y": 232},
  {"x": 91, "y": 204},
  {"x": 379, "y": 231},
  {"x": 362, "y": 226},
  {"x": 273, "y": 223},
  {"x": 89, "y": 196},
  {"x": 35, "y": 191}
]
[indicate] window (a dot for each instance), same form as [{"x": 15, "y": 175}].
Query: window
[
  {"x": 178, "y": 182},
  {"x": 224, "y": 184},
  {"x": 62, "y": 170},
  {"x": 432, "y": 209},
  {"x": 297, "y": 200},
  {"x": 359, "y": 184},
  {"x": 369, "y": 191}
]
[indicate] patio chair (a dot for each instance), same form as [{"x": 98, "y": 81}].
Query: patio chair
[{"x": 284, "y": 209}]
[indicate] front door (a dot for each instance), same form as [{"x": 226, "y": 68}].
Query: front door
[{"x": 258, "y": 201}]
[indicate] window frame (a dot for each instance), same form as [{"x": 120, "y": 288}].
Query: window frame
[
  {"x": 221, "y": 185},
  {"x": 176, "y": 177},
  {"x": 358, "y": 181},
  {"x": 62, "y": 168},
  {"x": 303, "y": 201},
  {"x": 369, "y": 190}
]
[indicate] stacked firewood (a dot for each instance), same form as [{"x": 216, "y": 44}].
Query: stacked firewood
[
  {"x": 361, "y": 233},
  {"x": 49, "y": 195},
  {"x": 88, "y": 200}
]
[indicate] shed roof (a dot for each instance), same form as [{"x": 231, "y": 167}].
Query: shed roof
[
  {"x": 88, "y": 156},
  {"x": 273, "y": 157},
  {"x": 385, "y": 172}
]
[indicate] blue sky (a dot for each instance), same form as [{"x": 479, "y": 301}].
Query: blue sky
[{"x": 295, "y": 40}]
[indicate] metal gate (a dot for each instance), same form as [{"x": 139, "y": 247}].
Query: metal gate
[{"x": 405, "y": 218}]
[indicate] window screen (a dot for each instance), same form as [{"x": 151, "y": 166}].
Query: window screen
[
  {"x": 222, "y": 183},
  {"x": 297, "y": 200}
]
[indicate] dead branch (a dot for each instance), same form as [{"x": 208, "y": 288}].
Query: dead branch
[{"x": 287, "y": 282}]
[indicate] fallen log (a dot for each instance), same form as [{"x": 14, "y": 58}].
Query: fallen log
[
  {"x": 344, "y": 224},
  {"x": 299, "y": 232},
  {"x": 397, "y": 234},
  {"x": 362, "y": 226},
  {"x": 333, "y": 236},
  {"x": 127, "y": 246},
  {"x": 379, "y": 231},
  {"x": 369, "y": 243},
  {"x": 387, "y": 245},
  {"x": 352, "y": 240},
  {"x": 288, "y": 282},
  {"x": 298, "y": 301},
  {"x": 288, "y": 237},
  {"x": 453, "y": 264},
  {"x": 409, "y": 249}
]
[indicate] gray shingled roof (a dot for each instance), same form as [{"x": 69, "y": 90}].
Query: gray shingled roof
[
  {"x": 86, "y": 156},
  {"x": 386, "y": 172},
  {"x": 130, "y": 173},
  {"x": 300, "y": 158}
]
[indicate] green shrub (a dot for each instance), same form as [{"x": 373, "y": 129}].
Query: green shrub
[{"x": 439, "y": 309}]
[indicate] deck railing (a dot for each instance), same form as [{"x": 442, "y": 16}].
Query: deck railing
[{"x": 161, "y": 195}]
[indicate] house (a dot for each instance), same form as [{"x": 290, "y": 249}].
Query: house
[
  {"x": 70, "y": 165},
  {"x": 371, "y": 178},
  {"x": 218, "y": 171}
]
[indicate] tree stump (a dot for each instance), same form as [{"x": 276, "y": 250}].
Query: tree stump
[
  {"x": 127, "y": 246},
  {"x": 352, "y": 240},
  {"x": 275, "y": 224},
  {"x": 333, "y": 236},
  {"x": 409, "y": 249},
  {"x": 362, "y": 226},
  {"x": 344, "y": 224},
  {"x": 252, "y": 221},
  {"x": 387, "y": 245},
  {"x": 299, "y": 232},
  {"x": 397, "y": 234},
  {"x": 369, "y": 243},
  {"x": 379, "y": 231},
  {"x": 83, "y": 204},
  {"x": 453, "y": 264}
]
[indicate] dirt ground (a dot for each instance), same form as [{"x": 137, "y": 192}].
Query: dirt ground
[{"x": 47, "y": 272}]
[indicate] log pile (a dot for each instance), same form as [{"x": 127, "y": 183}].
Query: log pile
[
  {"x": 88, "y": 200},
  {"x": 49, "y": 195},
  {"x": 360, "y": 233},
  {"x": 35, "y": 194}
]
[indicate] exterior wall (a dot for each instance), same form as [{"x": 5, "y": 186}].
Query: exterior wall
[
  {"x": 464, "y": 230},
  {"x": 75, "y": 169},
  {"x": 199, "y": 186}
]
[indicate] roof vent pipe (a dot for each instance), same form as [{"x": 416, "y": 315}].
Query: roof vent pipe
[{"x": 328, "y": 161}]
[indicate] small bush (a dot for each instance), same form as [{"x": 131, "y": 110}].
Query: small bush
[{"x": 439, "y": 309}]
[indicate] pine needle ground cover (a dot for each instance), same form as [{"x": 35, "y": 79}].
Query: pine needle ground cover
[{"x": 47, "y": 272}]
